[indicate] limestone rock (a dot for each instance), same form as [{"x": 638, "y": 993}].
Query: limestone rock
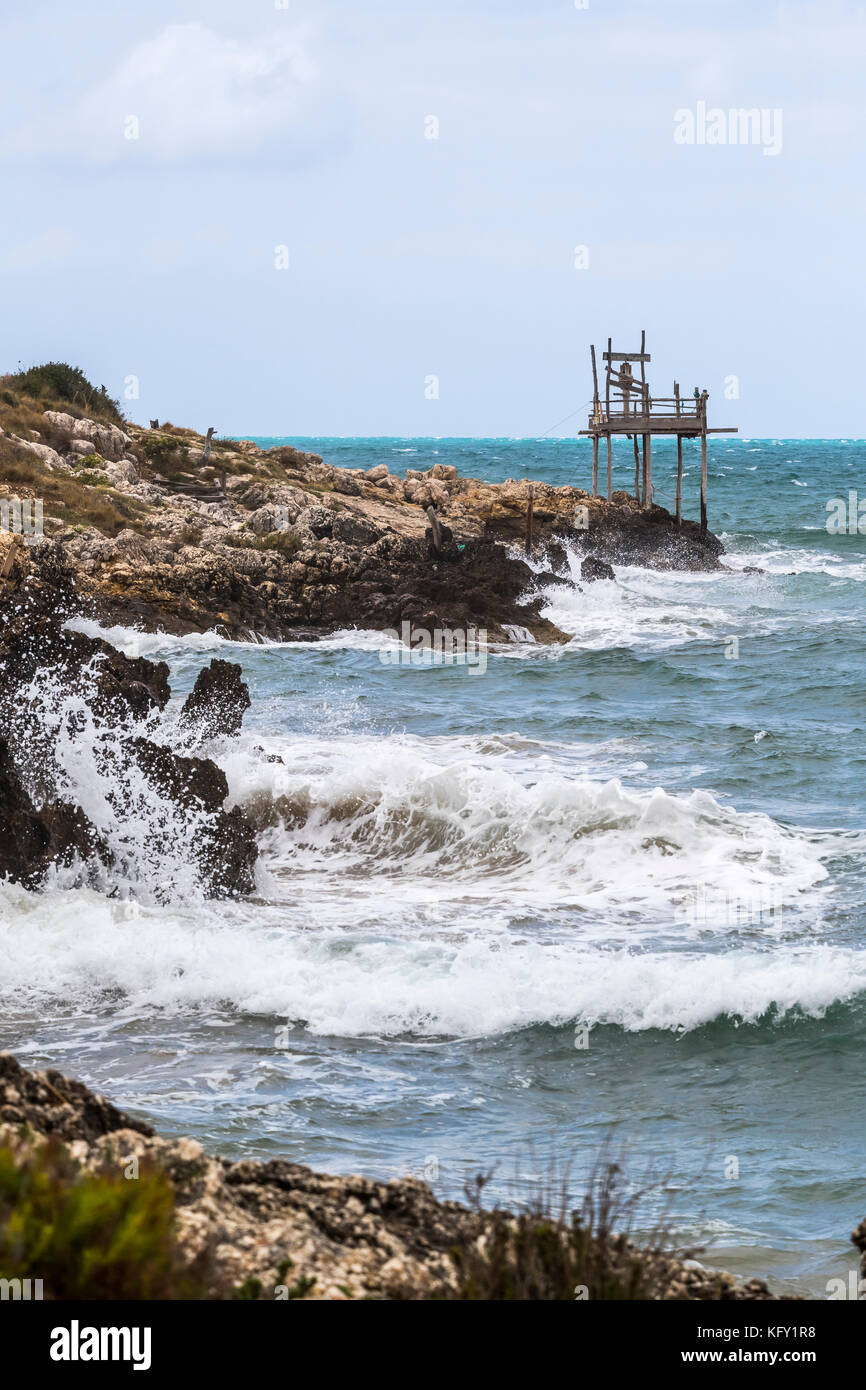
[
  {"x": 107, "y": 440},
  {"x": 49, "y": 456}
]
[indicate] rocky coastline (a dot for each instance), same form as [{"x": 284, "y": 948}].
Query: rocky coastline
[
  {"x": 164, "y": 529},
  {"x": 277, "y": 1230},
  {"x": 278, "y": 543}
]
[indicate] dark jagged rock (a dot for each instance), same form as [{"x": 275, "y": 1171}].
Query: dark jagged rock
[
  {"x": 592, "y": 569},
  {"x": 218, "y": 700},
  {"x": 33, "y": 639},
  {"x": 38, "y": 828},
  {"x": 34, "y": 838},
  {"x": 226, "y": 845},
  {"x": 52, "y": 1104}
]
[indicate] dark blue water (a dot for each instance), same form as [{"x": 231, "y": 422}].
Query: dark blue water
[{"x": 610, "y": 891}]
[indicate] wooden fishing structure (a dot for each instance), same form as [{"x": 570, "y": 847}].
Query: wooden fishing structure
[{"x": 627, "y": 407}]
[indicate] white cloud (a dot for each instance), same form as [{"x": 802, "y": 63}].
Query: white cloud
[
  {"x": 190, "y": 96},
  {"x": 50, "y": 247}
]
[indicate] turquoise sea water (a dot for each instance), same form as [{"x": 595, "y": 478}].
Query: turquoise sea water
[{"x": 611, "y": 890}]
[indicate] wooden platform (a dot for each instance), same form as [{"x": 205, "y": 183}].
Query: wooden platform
[{"x": 629, "y": 408}]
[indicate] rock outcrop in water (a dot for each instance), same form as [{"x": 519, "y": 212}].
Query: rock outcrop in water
[
  {"x": 58, "y": 683},
  {"x": 216, "y": 704},
  {"x": 280, "y": 1230}
]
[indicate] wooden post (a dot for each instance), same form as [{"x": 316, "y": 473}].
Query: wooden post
[
  {"x": 607, "y": 378},
  {"x": 643, "y": 385},
  {"x": 704, "y": 398},
  {"x": 435, "y": 529},
  {"x": 704, "y": 480},
  {"x": 208, "y": 437},
  {"x": 529, "y": 522},
  {"x": 595, "y": 465},
  {"x": 595, "y": 400},
  {"x": 636, "y": 469},
  {"x": 649, "y": 470},
  {"x": 643, "y": 488},
  {"x": 679, "y": 462},
  {"x": 609, "y": 467}
]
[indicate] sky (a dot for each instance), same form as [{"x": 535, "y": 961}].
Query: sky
[{"x": 388, "y": 217}]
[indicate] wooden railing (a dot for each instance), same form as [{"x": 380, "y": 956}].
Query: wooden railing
[{"x": 649, "y": 407}]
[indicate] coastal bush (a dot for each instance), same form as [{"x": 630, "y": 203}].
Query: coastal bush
[
  {"x": 551, "y": 1253},
  {"x": 60, "y": 382},
  {"x": 164, "y": 448},
  {"x": 93, "y": 1235}
]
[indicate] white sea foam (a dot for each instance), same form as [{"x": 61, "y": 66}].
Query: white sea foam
[
  {"x": 135, "y": 642},
  {"x": 67, "y": 946},
  {"x": 475, "y": 826}
]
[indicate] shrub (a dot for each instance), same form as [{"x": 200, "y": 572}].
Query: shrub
[
  {"x": 550, "y": 1253},
  {"x": 164, "y": 448},
  {"x": 58, "y": 381},
  {"x": 90, "y": 1235},
  {"x": 286, "y": 542}
]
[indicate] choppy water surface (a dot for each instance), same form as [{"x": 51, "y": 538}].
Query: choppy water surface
[{"x": 650, "y": 840}]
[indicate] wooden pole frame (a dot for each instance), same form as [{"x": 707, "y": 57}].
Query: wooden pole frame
[
  {"x": 704, "y": 483},
  {"x": 643, "y": 495},
  {"x": 634, "y": 419},
  {"x": 609, "y": 466},
  {"x": 595, "y": 400},
  {"x": 607, "y": 380}
]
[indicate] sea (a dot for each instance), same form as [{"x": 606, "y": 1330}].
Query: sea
[{"x": 600, "y": 901}]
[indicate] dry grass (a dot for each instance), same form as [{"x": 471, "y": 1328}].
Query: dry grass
[
  {"x": 69, "y": 497},
  {"x": 554, "y": 1251}
]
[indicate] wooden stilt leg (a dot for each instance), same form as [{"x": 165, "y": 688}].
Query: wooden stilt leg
[
  {"x": 609, "y": 468},
  {"x": 595, "y": 465},
  {"x": 643, "y": 487},
  {"x": 679, "y": 481},
  {"x": 704, "y": 482}
]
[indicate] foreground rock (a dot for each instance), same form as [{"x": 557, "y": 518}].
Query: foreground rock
[
  {"x": 278, "y": 1229},
  {"x": 61, "y": 685}
]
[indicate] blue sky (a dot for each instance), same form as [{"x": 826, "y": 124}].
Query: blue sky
[{"x": 304, "y": 127}]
